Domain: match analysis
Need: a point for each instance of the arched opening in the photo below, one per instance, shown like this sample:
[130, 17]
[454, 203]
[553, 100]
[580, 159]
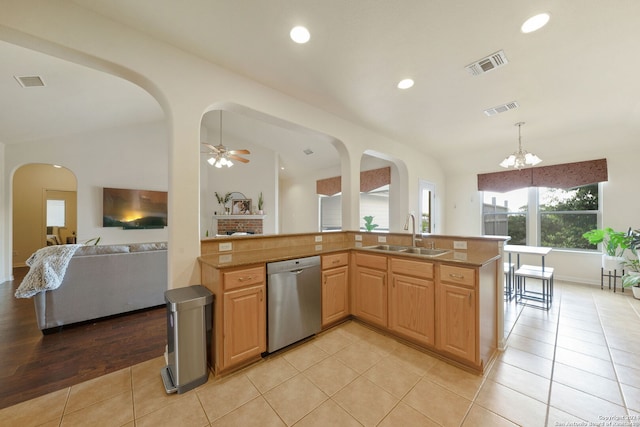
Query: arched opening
[284, 163]
[44, 209]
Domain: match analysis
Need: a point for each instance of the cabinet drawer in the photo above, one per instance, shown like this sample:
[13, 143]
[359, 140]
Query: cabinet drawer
[378, 262]
[412, 268]
[245, 277]
[460, 275]
[335, 260]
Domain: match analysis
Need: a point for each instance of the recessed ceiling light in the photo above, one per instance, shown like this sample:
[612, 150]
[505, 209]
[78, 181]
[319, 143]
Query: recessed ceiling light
[57, 166]
[535, 23]
[300, 34]
[405, 84]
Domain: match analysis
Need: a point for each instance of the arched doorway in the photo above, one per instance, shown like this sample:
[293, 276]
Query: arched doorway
[44, 208]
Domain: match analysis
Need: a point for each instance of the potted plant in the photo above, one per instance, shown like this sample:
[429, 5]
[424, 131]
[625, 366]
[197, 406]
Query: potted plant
[631, 277]
[368, 223]
[614, 244]
[223, 200]
[634, 241]
[260, 203]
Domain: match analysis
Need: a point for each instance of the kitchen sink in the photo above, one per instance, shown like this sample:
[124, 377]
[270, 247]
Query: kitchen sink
[426, 251]
[410, 250]
[391, 248]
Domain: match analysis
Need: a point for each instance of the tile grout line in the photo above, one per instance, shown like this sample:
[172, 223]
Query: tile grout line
[615, 370]
[553, 361]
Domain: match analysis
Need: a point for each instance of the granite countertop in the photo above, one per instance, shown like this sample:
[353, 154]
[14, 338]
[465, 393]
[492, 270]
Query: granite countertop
[242, 258]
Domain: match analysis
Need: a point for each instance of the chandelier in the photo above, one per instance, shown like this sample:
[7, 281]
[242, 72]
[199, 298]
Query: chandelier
[520, 158]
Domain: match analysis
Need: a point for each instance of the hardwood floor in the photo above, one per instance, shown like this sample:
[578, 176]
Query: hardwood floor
[33, 364]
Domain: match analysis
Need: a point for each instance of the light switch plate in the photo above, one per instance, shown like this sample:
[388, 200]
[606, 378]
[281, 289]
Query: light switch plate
[318, 238]
[225, 246]
[382, 239]
[358, 238]
[459, 244]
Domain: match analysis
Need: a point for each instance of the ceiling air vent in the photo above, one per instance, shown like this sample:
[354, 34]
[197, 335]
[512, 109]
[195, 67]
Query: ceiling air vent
[489, 63]
[501, 108]
[29, 81]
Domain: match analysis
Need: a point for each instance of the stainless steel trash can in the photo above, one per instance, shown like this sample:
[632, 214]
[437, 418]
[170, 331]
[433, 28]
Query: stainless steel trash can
[189, 323]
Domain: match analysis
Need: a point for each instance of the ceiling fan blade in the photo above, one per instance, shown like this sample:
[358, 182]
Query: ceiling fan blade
[211, 147]
[239, 152]
[240, 159]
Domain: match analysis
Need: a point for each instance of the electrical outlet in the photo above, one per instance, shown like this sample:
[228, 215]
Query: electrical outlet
[225, 246]
[318, 238]
[358, 237]
[459, 244]
[225, 258]
[318, 247]
[382, 239]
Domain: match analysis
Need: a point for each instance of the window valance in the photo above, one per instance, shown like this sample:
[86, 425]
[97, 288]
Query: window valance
[369, 180]
[567, 175]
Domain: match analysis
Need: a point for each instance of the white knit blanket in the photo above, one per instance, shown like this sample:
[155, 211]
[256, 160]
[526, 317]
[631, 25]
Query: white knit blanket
[48, 266]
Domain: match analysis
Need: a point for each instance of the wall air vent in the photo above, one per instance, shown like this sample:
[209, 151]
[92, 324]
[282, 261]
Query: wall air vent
[501, 108]
[29, 81]
[489, 63]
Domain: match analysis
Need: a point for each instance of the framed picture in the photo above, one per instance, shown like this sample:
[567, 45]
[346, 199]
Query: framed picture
[241, 207]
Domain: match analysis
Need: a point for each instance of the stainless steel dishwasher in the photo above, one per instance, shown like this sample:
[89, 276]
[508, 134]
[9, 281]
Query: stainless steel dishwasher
[294, 301]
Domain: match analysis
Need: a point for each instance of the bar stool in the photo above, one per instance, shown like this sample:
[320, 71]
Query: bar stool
[524, 295]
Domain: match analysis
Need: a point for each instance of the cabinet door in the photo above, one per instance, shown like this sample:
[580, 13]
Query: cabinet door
[411, 308]
[245, 334]
[371, 295]
[457, 313]
[335, 302]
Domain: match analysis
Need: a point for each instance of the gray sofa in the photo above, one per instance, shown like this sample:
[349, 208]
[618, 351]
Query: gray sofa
[103, 281]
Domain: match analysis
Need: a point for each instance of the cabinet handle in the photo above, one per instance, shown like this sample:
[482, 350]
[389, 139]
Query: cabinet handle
[456, 276]
[244, 279]
[260, 295]
[336, 261]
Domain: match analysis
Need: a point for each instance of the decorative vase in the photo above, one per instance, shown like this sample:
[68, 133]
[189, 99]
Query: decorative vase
[636, 291]
[611, 263]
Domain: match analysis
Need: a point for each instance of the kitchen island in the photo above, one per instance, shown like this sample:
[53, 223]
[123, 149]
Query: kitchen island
[449, 305]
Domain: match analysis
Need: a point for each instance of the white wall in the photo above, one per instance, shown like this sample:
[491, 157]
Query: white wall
[299, 205]
[130, 157]
[620, 210]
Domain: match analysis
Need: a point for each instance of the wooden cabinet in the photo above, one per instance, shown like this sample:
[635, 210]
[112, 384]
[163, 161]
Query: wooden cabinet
[335, 288]
[457, 313]
[412, 300]
[244, 325]
[370, 288]
[240, 333]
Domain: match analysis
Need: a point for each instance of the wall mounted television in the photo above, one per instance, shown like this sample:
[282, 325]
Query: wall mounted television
[134, 209]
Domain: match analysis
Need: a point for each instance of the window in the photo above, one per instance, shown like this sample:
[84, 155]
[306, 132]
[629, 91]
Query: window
[565, 215]
[505, 214]
[331, 212]
[553, 217]
[376, 204]
[55, 213]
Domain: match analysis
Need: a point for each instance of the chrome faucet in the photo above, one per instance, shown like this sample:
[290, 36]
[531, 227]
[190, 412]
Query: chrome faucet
[413, 228]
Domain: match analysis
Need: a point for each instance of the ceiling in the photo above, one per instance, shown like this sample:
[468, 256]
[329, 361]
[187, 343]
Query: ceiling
[574, 80]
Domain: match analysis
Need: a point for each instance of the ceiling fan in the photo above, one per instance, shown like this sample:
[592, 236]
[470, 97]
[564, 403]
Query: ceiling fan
[221, 155]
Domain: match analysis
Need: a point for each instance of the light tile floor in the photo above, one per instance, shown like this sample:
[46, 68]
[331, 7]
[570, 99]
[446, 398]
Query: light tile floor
[573, 365]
